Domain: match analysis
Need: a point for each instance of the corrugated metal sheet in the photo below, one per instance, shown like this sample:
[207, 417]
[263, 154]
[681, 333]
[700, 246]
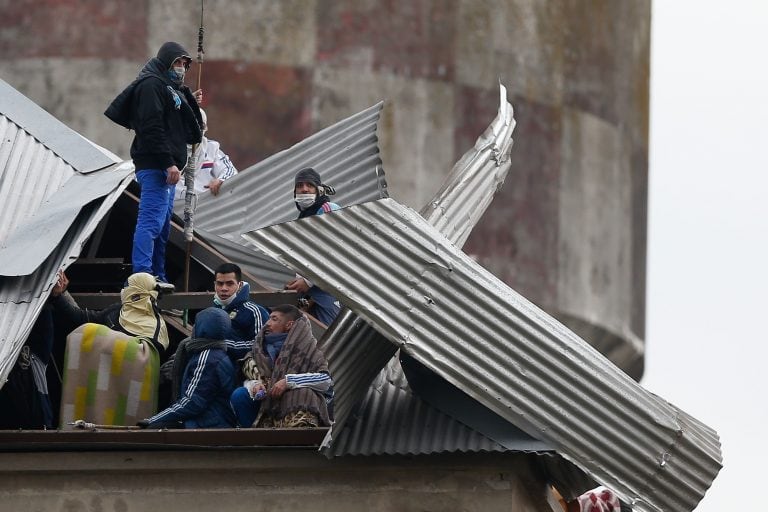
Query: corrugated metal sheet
[396, 409]
[401, 275]
[345, 154]
[78, 152]
[52, 199]
[455, 209]
[475, 178]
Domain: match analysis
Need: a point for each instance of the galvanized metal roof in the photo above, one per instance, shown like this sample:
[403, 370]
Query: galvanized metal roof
[79, 153]
[401, 275]
[53, 198]
[455, 209]
[345, 154]
[396, 410]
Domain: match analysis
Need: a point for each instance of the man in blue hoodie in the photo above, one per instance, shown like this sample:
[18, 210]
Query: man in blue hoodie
[165, 116]
[203, 378]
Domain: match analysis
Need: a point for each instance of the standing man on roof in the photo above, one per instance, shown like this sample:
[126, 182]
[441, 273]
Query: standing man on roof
[165, 116]
[311, 197]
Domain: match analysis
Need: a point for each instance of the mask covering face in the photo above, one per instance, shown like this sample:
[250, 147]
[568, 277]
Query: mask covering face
[305, 200]
[177, 73]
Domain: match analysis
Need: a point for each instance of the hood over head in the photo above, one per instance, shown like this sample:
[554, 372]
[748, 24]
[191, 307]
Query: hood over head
[171, 51]
[212, 323]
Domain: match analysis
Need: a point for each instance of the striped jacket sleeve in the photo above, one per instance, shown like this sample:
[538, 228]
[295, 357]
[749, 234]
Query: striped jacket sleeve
[196, 395]
[318, 381]
[223, 167]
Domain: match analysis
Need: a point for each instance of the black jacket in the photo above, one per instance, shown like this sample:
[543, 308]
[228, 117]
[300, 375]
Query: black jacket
[164, 115]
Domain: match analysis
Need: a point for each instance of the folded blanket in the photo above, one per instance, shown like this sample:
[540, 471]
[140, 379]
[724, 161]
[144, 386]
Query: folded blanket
[110, 378]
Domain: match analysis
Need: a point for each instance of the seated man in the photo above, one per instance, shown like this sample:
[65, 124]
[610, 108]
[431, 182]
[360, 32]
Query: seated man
[233, 296]
[311, 198]
[203, 378]
[289, 384]
[24, 399]
[130, 334]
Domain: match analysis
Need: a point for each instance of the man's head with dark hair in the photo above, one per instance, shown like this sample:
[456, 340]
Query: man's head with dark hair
[227, 268]
[282, 318]
[227, 281]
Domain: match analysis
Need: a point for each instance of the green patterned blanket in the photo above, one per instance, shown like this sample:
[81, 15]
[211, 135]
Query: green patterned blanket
[110, 378]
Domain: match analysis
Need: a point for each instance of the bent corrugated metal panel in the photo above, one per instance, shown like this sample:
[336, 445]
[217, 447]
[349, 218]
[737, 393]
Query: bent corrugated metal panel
[345, 154]
[454, 210]
[77, 151]
[52, 199]
[474, 180]
[401, 275]
[391, 411]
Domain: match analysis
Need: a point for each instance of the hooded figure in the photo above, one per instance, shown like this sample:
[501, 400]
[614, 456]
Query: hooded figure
[140, 101]
[203, 378]
[139, 314]
[165, 116]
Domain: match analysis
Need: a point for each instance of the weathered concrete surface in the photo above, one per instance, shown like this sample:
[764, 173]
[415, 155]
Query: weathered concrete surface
[276, 480]
[568, 230]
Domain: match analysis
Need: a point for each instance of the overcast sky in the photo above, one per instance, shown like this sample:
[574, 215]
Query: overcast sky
[708, 220]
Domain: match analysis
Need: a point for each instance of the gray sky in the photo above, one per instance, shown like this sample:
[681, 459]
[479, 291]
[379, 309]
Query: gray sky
[708, 221]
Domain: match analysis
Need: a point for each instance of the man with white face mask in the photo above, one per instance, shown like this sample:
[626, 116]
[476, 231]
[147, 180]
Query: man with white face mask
[233, 296]
[311, 197]
[165, 116]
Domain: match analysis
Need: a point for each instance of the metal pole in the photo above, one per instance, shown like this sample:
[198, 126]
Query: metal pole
[189, 178]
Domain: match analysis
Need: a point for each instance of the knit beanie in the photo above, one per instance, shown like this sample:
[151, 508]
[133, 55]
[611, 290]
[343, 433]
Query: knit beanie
[307, 175]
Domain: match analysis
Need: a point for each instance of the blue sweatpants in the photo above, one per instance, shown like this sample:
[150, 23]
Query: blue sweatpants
[153, 225]
[246, 409]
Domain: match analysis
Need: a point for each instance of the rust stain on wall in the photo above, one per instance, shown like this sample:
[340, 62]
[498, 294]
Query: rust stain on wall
[256, 110]
[87, 28]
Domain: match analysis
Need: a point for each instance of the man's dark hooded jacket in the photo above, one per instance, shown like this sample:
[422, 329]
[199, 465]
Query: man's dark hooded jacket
[164, 114]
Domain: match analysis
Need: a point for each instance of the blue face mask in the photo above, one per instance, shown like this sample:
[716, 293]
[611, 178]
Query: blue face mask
[176, 74]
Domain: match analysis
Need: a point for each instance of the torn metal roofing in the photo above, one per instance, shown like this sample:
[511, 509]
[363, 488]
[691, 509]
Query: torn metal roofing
[55, 186]
[455, 209]
[402, 276]
[345, 154]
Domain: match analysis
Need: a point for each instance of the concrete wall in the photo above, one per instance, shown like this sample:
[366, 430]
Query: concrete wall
[262, 480]
[568, 230]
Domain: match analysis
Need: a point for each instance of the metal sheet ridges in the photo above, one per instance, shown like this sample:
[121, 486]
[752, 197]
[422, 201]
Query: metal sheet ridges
[455, 209]
[402, 276]
[345, 154]
[38, 157]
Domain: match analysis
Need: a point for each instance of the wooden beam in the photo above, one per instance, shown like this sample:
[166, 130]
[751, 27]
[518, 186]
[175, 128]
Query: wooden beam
[185, 300]
[177, 324]
[33, 440]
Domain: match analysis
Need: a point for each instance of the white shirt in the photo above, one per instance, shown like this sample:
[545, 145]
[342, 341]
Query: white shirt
[211, 163]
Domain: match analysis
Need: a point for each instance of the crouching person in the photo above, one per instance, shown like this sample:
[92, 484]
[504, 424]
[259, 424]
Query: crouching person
[203, 378]
[289, 384]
